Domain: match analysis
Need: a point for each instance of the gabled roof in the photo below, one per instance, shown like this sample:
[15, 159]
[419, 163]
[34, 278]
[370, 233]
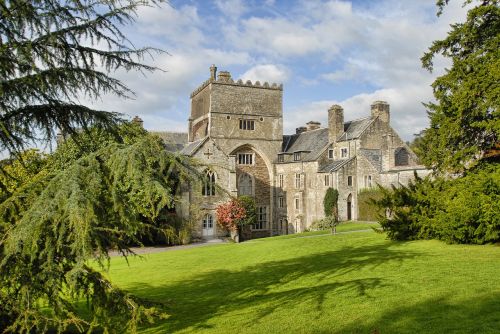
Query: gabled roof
[192, 147]
[174, 141]
[334, 165]
[310, 142]
[354, 129]
[374, 156]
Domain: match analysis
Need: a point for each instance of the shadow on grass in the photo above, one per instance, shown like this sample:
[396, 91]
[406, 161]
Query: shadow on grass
[480, 314]
[259, 290]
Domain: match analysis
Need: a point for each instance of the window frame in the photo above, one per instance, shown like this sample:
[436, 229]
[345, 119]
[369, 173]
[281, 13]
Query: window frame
[246, 156]
[281, 180]
[247, 124]
[209, 184]
[261, 223]
[251, 186]
[327, 180]
[344, 152]
[298, 180]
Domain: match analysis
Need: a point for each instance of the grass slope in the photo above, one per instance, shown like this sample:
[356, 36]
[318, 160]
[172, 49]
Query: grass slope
[345, 283]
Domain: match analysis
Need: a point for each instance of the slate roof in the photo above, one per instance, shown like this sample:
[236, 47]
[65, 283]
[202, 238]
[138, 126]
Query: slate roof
[334, 165]
[174, 141]
[374, 156]
[354, 129]
[191, 148]
[310, 142]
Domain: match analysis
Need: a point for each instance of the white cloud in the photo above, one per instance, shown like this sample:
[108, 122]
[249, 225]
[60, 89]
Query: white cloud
[270, 73]
[312, 45]
[407, 115]
[232, 9]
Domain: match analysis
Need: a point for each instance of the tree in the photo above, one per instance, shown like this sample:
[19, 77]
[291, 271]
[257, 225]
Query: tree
[330, 207]
[236, 214]
[463, 139]
[53, 226]
[53, 53]
[465, 120]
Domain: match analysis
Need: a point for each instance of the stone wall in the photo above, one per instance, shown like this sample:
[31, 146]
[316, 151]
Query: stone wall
[200, 103]
[231, 103]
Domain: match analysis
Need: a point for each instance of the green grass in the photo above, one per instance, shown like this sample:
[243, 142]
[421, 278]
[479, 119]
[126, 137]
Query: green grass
[345, 283]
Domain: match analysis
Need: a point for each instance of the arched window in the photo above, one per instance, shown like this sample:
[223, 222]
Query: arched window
[245, 185]
[401, 157]
[208, 188]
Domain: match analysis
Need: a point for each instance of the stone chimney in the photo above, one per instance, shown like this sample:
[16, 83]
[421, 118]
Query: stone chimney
[335, 122]
[300, 129]
[380, 109]
[224, 76]
[213, 72]
[138, 120]
[313, 125]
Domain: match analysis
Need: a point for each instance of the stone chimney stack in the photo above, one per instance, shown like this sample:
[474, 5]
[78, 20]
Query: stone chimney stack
[335, 122]
[138, 120]
[380, 109]
[224, 76]
[313, 125]
[213, 72]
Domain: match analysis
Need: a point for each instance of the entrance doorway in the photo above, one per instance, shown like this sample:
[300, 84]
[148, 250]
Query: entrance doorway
[208, 226]
[349, 207]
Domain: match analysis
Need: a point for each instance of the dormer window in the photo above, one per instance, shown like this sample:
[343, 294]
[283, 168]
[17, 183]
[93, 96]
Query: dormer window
[281, 158]
[247, 124]
[296, 156]
[343, 152]
[330, 154]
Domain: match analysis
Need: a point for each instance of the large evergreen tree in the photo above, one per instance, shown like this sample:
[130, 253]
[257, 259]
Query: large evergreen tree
[462, 140]
[465, 120]
[53, 52]
[87, 199]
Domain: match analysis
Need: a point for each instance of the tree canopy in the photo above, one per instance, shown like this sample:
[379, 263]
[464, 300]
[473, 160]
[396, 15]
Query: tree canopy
[461, 203]
[58, 221]
[61, 214]
[465, 120]
[53, 53]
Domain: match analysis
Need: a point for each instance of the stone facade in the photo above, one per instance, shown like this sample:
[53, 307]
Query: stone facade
[235, 130]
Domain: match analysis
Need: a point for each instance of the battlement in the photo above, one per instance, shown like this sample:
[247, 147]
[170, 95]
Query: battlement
[224, 78]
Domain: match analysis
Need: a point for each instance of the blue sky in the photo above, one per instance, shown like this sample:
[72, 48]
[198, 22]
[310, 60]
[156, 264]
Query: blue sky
[324, 52]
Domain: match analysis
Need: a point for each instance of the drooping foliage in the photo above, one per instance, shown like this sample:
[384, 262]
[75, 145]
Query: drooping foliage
[53, 53]
[55, 225]
[465, 120]
[20, 170]
[461, 210]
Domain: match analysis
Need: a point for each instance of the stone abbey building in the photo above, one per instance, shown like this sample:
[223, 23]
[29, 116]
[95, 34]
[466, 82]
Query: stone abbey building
[236, 129]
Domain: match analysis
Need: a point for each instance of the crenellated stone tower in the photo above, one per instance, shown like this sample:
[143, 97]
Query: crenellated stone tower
[237, 128]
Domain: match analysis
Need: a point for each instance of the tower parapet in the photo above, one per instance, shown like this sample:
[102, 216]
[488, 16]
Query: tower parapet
[224, 78]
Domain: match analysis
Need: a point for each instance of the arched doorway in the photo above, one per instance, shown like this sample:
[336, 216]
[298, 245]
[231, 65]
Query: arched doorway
[208, 226]
[349, 207]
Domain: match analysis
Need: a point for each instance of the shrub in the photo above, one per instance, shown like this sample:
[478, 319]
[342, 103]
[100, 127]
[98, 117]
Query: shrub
[367, 210]
[462, 210]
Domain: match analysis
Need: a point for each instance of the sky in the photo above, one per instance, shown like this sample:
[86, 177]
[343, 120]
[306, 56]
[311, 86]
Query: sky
[350, 53]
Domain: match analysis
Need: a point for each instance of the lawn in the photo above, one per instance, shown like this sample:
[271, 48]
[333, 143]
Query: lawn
[345, 283]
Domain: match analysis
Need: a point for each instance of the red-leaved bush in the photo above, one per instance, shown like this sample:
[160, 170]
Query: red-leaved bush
[231, 214]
